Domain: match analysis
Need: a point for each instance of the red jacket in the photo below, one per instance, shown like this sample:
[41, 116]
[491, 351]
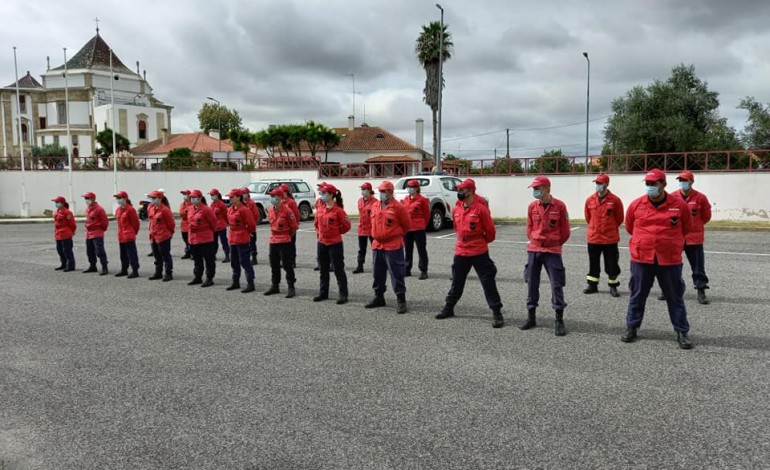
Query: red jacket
[547, 227]
[203, 224]
[128, 223]
[657, 232]
[220, 214]
[604, 218]
[242, 225]
[700, 210]
[389, 224]
[184, 226]
[292, 205]
[64, 224]
[252, 206]
[419, 211]
[161, 222]
[283, 224]
[331, 223]
[96, 221]
[365, 216]
[474, 227]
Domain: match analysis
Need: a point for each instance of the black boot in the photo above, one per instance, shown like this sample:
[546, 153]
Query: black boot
[186, 256]
[320, 297]
[196, 280]
[591, 289]
[377, 301]
[226, 260]
[121, 273]
[208, 282]
[629, 336]
[91, 269]
[530, 323]
[423, 275]
[158, 275]
[683, 340]
[661, 296]
[104, 271]
[359, 269]
[447, 312]
[61, 268]
[249, 287]
[498, 316]
[614, 291]
[401, 303]
[291, 292]
[342, 299]
[559, 329]
[234, 286]
[702, 297]
[273, 290]
[134, 274]
[254, 261]
[168, 277]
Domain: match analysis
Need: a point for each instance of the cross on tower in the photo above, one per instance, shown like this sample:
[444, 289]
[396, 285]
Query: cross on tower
[97, 24]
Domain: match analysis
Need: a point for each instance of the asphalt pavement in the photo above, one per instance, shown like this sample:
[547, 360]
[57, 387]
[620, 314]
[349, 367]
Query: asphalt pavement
[98, 372]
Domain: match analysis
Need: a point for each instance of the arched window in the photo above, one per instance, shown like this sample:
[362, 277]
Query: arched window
[142, 130]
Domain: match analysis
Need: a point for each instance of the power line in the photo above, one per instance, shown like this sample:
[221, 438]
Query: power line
[525, 129]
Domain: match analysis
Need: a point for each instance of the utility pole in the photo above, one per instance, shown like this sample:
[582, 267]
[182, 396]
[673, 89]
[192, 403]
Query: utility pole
[508, 143]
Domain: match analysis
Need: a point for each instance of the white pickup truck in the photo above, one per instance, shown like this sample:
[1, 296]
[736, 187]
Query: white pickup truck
[440, 190]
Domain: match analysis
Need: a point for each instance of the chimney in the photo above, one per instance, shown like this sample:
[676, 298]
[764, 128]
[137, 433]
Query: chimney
[137, 67]
[351, 122]
[48, 62]
[164, 136]
[145, 75]
[419, 133]
[214, 134]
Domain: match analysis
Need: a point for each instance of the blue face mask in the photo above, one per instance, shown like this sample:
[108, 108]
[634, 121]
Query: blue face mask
[273, 200]
[600, 188]
[58, 205]
[537, 194]
[154, 200]
[214, 197]
[364, 192]
[412, 190]
[653, 191]
[685, 185]
[121, 202]
[324, 197]
[194, 200]
[383, 197]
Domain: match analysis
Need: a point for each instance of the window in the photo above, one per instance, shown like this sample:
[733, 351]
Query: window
[42, 123]
[61, 112]
[24, 133]
[142, 130]
[74, 139]
[303, 188]
[450, 184]
[56, 140]
[22, 104]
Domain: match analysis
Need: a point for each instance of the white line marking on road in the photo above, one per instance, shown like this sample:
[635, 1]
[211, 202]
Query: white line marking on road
[574, 228]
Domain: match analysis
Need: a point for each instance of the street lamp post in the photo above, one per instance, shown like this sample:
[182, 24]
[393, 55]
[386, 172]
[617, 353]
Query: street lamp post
[588, 102]
[440, 86]
[113, 77]
[219, 119]
[69, 136]
[24, 203]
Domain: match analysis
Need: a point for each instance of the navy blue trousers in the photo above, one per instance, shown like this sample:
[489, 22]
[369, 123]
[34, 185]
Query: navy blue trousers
[384, 262]
[697, 259]
[162, 253]
[281, 254]
[671, 283]
[334, 255]
[486, 270]
[186, 240]
[204, 254]
[253, 244]
[416, 237]
[94, 250]
[129, 256]
[239, 258]
[363, 245]
[554, 267]
[66, 256]
[220, 237]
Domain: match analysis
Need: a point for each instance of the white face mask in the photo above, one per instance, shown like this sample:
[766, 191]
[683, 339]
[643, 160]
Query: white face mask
[89, 202]
[186, 197]
[121, 202]
[600, 188]
[214, 197]
[383, 197]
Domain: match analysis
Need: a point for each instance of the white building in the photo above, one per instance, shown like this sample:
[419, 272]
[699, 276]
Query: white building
[46, 107]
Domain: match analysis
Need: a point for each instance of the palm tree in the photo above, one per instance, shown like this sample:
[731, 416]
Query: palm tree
[427, 50]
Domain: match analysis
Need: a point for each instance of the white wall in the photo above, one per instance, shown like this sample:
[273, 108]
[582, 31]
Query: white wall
[734, 196]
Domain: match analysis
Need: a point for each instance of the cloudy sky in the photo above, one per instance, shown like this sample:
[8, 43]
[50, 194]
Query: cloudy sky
[516, 64]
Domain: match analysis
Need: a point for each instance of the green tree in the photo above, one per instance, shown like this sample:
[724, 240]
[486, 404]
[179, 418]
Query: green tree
[210, 115]
[104, 139]
[428, 52]
[552, 161]
[179, 158]
[756, 133]
[50, 155]
[508, 165]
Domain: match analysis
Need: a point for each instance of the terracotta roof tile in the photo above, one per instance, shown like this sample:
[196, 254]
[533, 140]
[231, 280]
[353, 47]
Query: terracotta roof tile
[370, 138]
[198, 142]
[391, 159]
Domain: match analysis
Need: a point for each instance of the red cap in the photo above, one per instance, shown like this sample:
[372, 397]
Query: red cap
[319, 184]
[468, 184]
[121, 194]
[366, 185]
[285, 188]
[329, 188]
[89, 195]
[686, 175]
[235, 192]
[602, 178]
[385, 186]
[540, 181]
[185, 191]
[59, 199]
[655, 175]
[215, 191]
[196, 193]
[155, 194]
[277, 192]
[413, 184]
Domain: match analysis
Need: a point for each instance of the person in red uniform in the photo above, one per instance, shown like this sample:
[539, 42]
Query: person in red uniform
[288, 200]
[96, 224]
[203, 225]
[252, 206]
[161, 230]
[283, 227]
[220, 234]
[547, 230]
[475, 231]
[604, 214]
[242, 223]
[331, 222]
[318, 205]
[658, 224]
[419, 213]
[184, 226]
[365, 204]
[700, 210]
[64, 229]
[128, 228]
[390, 221]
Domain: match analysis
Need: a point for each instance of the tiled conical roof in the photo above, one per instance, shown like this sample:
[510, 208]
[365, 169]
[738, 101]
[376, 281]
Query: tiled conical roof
[96, 55]
[27, 81]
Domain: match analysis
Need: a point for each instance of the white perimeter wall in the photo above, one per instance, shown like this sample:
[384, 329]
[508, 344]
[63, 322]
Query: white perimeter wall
[734, 196]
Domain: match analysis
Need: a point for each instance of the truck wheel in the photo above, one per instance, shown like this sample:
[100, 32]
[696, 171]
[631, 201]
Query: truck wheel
[262, 215]
[305, 212]
[436, 219]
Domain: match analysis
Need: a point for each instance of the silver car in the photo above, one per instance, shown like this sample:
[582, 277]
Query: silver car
[440, 190]
[302, 192]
